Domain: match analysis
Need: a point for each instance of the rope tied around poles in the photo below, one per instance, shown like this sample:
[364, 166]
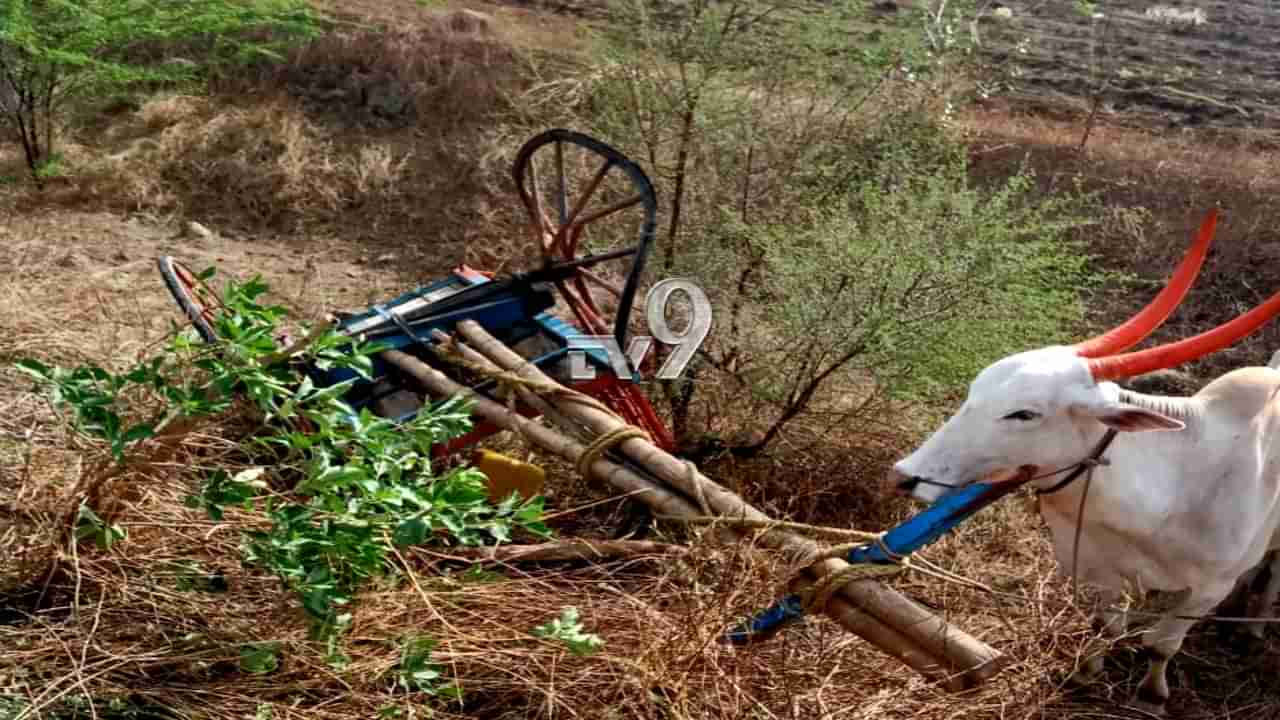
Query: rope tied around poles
[510, 381]
[606, 442]
[816, 597]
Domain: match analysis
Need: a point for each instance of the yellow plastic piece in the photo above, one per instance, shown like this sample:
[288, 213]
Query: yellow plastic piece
[507, 474]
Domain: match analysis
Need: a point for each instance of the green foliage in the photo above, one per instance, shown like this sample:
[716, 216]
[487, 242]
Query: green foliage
[79, 706]
[417, 673]
[12, 706]
[342, 490]
[56, 52]
[918, 285]
[52, 166]
[90, 392]
[89, 525]
[568, 630]
[260, 658]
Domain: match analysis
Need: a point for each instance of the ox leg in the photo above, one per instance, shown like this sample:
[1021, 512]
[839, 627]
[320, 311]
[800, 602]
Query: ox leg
[1263, 604]
[1164, 640]
[1238, 603]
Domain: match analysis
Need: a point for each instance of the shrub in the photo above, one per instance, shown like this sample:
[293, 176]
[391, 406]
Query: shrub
[340, 490]
[56, 52]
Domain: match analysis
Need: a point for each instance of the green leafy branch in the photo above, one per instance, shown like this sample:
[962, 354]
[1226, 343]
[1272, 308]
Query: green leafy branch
[568, 630]
[342, 489]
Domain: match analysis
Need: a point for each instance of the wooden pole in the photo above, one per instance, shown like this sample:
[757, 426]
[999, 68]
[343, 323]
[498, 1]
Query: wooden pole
[662, 500]
[941, 639]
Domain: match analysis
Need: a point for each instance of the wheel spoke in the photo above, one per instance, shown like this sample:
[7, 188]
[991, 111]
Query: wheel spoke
[546, 236]
[616, 207]
[587, 315]
[611, 287]
[584, 293]
[575, 236]
[562, 190]
[586, 194]
[537, 217]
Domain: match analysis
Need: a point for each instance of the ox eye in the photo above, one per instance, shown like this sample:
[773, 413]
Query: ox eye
[1021, 415]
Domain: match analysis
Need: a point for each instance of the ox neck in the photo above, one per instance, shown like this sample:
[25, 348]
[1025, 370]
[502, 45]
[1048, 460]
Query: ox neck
[1178, 408]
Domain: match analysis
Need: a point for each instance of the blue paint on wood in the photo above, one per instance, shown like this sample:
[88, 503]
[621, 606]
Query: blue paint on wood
[920, 530]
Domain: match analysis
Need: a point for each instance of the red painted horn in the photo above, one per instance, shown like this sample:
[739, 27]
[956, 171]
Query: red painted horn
[1182, 351]
[1137, 328]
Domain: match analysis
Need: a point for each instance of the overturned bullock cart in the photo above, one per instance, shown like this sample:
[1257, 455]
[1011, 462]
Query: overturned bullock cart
[511, 346]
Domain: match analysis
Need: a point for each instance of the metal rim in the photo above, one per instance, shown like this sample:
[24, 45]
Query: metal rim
[560, 237]
[186, 289]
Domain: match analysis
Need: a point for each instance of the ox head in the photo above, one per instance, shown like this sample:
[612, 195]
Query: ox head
[1043, 410]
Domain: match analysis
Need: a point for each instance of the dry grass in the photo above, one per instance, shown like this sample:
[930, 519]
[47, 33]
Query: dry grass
[117, 625]
[267, 165]
[372, 135]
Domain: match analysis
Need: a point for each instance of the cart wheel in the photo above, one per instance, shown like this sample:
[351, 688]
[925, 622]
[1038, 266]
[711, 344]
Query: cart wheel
[585, 197]
[192, 294]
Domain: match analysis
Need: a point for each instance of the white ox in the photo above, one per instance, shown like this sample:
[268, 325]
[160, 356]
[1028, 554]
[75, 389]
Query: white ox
[1188, 495]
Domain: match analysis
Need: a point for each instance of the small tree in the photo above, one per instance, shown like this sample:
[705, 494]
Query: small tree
[54, 52]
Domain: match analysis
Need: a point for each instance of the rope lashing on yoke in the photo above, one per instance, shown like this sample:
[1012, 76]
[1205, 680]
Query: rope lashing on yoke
[606, 442]
[816, 597]
[509, 381]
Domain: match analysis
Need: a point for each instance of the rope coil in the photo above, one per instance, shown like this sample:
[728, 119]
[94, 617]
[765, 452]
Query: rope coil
[816, 597]
[605, 443]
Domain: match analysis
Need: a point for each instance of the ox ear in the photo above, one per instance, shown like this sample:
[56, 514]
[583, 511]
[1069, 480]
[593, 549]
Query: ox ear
[1132, 418]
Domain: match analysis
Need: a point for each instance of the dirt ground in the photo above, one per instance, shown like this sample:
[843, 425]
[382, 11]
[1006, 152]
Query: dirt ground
[80, 284]
[1218, 74]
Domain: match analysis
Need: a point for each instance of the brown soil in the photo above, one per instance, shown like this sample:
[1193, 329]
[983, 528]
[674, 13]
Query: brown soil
[1220, 74]
[79, 284]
